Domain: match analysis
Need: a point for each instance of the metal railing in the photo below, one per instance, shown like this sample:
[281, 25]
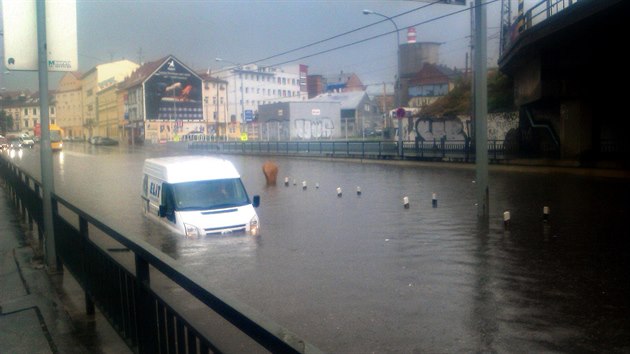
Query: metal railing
[536, 15]
[133, 284]
[459, 150]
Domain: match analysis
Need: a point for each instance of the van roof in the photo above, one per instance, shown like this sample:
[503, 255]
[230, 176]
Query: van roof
[177, 169]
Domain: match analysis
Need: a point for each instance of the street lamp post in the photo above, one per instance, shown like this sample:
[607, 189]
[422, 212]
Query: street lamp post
[397, 81]
[240, 74]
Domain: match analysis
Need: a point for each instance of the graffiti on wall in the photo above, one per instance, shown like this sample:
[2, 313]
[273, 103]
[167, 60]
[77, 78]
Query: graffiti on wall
[430, 129]
[500, 123]
[317, 128]
[457, 128]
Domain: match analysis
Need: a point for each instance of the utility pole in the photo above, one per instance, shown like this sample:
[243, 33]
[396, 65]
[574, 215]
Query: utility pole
[46, 149]
[481, 109]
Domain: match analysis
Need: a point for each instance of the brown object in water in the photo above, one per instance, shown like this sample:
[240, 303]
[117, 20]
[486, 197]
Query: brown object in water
[270, 170]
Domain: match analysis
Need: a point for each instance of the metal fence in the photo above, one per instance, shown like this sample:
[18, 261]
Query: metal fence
[456, 150]
[537, 14]
[132, 285]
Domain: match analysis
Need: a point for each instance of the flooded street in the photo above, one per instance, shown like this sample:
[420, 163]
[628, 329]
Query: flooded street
[360, 273]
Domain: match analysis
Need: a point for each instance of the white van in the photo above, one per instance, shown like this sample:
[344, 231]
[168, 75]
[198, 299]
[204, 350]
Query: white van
[197, 196]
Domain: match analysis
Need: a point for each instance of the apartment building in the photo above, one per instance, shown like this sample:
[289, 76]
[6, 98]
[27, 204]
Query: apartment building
[215, 107]
[164, 100]
[69, 105]
[24, 108]
[99, 78]
[252, 85]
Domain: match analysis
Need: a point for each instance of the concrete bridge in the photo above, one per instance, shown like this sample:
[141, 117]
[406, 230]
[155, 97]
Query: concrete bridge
[566, 59]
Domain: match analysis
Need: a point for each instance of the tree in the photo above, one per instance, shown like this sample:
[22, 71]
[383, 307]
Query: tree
[458, 101]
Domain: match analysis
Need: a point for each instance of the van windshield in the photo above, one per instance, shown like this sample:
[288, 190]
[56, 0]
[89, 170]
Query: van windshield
[206, 195]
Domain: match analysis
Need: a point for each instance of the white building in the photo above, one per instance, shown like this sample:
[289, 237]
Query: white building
[250, 86]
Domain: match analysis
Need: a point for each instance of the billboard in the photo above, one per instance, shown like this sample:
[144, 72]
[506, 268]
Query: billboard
[173, 93]
[20, 35]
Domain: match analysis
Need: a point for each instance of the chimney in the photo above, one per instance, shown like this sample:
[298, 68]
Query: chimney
[411, 35]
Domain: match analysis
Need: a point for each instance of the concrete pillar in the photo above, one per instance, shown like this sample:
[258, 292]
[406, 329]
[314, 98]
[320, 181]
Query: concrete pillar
[576, 129]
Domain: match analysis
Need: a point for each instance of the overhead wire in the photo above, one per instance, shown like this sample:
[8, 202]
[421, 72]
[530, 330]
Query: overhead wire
[365, 39]
[334, 37]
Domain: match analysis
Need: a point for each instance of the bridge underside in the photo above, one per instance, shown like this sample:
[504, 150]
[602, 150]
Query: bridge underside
[567, 75]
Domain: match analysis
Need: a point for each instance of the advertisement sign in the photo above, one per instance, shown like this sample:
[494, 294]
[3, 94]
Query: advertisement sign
[20, 35]
[173, 93]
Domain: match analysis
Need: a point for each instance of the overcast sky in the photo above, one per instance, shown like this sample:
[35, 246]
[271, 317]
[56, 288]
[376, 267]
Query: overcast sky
[197, 32]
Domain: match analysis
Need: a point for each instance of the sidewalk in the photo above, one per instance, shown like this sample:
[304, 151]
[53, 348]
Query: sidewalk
[40, 311]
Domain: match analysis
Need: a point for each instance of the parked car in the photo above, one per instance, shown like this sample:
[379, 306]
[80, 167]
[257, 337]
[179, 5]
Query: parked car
[4, 143]
[27, 141]
[103, 140]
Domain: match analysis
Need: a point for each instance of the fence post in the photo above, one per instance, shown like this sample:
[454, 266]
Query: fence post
[146, 320]
[83, 231]
[55, 217]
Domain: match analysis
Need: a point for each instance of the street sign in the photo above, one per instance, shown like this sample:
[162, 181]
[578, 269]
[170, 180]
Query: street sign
[20, 35]
[249, 115]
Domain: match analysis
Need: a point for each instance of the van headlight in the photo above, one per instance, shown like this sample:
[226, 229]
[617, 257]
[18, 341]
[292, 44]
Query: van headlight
[192, 231]
[254, 226]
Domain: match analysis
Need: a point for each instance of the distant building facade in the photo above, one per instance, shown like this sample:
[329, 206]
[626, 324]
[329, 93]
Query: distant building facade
[344, 82]
[164, 100]
[215, 108]
[251, 86]
[358, 113]
[99, 78]
[430, 83]
[301, 120]
[24, 109]
[69, 104]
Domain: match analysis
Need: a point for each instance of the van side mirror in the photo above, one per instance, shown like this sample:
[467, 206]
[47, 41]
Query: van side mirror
[256, 202]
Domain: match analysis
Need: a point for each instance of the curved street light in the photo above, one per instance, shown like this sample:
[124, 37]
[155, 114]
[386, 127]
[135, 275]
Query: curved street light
[397, 81]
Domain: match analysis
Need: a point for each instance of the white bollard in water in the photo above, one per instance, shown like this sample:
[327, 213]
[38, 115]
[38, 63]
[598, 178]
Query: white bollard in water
[304, 185]
[406, 202]
[545, 213]
[286, 181]
[339, 191]
[358, 190]
[506, 218]
[434, 200]
[316, 185]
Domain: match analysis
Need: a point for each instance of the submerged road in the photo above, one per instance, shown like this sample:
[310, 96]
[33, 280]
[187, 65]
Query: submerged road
[359, 273]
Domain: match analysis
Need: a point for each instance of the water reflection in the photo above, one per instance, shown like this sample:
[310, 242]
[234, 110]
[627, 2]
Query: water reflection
[16, 154]
[361, 273]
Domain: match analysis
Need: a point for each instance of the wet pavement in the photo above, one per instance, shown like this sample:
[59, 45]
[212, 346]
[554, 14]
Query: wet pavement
[37, 313]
